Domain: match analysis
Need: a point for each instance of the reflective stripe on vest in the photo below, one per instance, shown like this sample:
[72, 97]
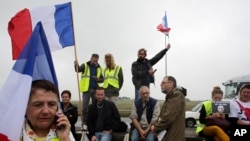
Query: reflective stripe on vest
[85, 78]
[208, 109]
[111, 77]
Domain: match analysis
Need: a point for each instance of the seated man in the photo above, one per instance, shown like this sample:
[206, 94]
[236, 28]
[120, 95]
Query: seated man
[145, 112]
[102, 114]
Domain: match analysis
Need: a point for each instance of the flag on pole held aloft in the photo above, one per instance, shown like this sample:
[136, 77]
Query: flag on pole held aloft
[35, 62]
[163, 27]
[57, 23]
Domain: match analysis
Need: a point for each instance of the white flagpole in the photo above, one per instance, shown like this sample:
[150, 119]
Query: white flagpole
[166, 46]
[166, 53]
[166, 57]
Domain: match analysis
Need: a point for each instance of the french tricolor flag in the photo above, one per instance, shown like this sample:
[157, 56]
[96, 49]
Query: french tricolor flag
[163, 27]
[34, 62]
[57, 23]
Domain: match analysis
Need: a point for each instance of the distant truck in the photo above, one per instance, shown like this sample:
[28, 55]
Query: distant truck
[232, 86]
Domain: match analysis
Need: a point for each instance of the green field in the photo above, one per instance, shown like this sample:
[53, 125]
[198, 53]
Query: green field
[125, 106]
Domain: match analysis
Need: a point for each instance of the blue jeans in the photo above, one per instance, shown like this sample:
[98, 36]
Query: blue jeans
[103, 136]
[137, 94]
[135, 136]
[85, 103]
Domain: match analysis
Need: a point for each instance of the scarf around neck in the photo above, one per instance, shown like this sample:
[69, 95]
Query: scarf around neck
[29, 135]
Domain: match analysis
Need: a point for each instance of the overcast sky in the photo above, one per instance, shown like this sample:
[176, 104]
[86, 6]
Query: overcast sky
[210, 40]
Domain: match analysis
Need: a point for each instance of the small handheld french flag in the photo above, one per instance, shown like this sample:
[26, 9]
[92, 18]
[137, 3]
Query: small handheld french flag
[163, 27]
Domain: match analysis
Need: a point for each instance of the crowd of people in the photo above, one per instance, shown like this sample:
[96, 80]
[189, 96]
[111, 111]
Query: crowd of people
[103, 86]
[48, 119]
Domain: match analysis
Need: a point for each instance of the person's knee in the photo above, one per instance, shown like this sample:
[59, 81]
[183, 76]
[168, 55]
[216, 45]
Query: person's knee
[217, 132]
[134, 138]
[217, 129]
[134, 135]
[150, 137]
[106, 137]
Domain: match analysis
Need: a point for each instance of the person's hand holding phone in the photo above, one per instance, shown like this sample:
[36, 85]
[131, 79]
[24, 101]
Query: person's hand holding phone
[62, 127]
[94, 138]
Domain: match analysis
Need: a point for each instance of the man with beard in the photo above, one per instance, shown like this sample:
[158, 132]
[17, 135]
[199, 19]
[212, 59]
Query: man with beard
[172, 116]
[102, 114]
[142, 69]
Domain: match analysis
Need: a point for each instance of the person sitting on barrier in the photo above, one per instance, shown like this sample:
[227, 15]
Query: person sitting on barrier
[145, 111]
[240, 111]
[102, 114]
[212, 132]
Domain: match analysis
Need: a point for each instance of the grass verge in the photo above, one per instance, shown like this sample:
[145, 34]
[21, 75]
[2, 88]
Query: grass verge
[125, 105]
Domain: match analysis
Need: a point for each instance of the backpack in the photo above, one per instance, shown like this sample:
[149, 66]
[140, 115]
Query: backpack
[119, 126]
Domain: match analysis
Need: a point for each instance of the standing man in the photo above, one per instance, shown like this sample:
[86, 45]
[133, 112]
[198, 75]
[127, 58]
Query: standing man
[69, 110]
[145, 112]
[142, 69]
[91, 76]
[113, 78]
[172, 116]
[101, 116]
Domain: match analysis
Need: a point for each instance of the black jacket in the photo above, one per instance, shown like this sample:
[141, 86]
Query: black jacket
[111, 115]
[72, 115]
[140, 68]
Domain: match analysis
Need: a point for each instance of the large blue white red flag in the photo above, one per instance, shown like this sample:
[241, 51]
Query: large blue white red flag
[57, 23]
[35, 62]
[163, 27]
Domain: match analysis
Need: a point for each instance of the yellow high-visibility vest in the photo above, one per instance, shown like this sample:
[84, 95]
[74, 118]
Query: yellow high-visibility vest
[85, 78]
[111, 77]
[52, 139]
[208, 109]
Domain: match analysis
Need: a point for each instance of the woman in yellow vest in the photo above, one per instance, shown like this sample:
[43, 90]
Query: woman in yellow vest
[113, 78]
[214, 132]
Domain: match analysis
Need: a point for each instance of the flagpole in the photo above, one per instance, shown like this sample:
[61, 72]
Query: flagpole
[166, 56]
[166, 53]
[165, 47]
[77, 76]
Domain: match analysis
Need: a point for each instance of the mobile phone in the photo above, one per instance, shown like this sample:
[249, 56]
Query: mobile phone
[155, 70]
[59, 110]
